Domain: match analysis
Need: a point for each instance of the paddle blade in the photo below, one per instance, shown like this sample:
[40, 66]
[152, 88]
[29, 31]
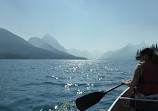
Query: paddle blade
[89, 100]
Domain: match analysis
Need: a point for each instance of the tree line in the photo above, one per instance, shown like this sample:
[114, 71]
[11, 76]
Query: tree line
[153, 46]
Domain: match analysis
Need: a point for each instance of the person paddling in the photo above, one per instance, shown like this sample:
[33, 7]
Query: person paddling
[145, 78]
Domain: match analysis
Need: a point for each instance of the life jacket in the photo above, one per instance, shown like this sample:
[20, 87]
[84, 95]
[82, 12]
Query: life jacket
[148, 83]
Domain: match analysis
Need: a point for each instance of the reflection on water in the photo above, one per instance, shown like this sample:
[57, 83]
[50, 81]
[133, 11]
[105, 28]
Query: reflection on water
[45, 85]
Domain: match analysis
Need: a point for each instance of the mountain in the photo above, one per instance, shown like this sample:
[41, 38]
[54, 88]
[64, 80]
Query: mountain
[126, 53]
[53, 42]
[85, 53]
[40, 43]
[37, 42]
[14, 47]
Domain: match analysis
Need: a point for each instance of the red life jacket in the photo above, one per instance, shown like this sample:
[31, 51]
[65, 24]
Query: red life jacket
[149, 80]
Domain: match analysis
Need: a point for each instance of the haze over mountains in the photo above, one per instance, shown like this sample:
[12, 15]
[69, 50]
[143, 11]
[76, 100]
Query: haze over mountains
[48, 43]
[85, 53]
[126, 53]
[14, 47]
[53, 42]
[47, 47]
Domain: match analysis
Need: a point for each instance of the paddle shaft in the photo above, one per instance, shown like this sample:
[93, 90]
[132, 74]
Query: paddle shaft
[112, 88]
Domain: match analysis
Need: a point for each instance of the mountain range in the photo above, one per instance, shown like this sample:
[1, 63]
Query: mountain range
[15, 47]
[41, 43]
[126, 53]
[47, 47]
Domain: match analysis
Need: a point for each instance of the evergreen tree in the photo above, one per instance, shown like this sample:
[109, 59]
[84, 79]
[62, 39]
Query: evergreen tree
[137, 52]
[153, 46]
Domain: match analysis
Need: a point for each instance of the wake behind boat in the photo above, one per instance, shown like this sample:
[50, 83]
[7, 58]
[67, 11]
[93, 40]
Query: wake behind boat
[122, 103]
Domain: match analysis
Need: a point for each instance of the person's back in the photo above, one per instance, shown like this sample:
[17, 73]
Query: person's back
[145, 79]
[148, 83]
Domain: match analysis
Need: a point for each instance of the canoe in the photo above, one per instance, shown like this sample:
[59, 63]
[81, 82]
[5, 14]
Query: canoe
[122, 103]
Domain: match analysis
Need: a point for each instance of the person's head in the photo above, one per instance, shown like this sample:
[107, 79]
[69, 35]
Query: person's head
[145, 55]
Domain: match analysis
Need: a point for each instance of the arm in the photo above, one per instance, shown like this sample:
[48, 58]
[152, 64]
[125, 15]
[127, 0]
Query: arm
[135, 78]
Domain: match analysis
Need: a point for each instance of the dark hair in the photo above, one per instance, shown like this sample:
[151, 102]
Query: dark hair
[155, 58]
[147, 51]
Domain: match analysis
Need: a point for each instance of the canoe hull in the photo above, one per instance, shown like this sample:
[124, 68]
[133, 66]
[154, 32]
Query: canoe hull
[122, 103]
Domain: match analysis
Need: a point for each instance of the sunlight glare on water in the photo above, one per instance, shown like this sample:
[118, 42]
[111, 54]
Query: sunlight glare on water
[43, 85]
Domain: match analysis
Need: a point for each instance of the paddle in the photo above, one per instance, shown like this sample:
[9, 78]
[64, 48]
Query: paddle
[91, 99]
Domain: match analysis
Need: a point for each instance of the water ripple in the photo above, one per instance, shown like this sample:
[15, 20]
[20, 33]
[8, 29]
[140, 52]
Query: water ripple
[54, 85]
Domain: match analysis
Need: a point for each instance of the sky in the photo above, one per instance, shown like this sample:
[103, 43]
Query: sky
[93, 25]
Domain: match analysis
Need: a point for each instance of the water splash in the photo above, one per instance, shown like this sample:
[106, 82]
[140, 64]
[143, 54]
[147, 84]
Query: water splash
[67, 106]
[79, 91]
[68, 85]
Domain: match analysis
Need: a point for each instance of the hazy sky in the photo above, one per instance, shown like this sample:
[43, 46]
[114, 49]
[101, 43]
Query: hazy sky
[83, 24]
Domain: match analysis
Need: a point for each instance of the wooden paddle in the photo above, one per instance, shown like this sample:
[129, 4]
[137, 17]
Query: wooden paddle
[91, 99]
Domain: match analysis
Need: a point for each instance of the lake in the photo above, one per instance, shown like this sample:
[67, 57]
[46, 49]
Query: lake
[54, 85]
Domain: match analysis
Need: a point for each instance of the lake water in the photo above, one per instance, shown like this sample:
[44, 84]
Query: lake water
[54, 85]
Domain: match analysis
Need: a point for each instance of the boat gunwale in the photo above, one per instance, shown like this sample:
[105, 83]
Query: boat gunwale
[122, 97]
[137, 99]
[118, 98]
